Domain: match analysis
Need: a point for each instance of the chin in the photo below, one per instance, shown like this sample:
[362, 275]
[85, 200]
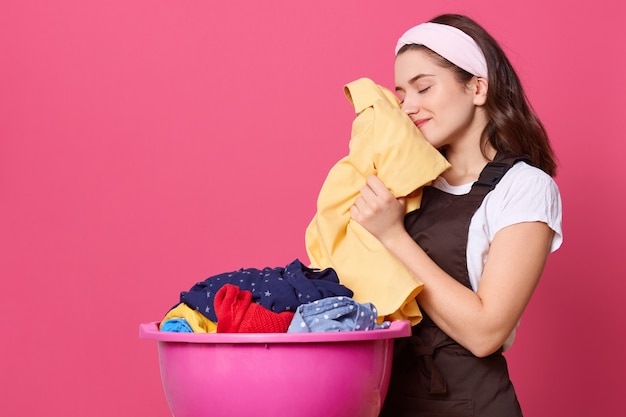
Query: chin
[435, 143]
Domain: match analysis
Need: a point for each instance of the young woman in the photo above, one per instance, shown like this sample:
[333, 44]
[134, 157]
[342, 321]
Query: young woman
[480, 240]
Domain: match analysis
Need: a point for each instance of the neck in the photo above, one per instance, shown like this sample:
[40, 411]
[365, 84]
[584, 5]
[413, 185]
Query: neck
[467, 164]
[466, 154]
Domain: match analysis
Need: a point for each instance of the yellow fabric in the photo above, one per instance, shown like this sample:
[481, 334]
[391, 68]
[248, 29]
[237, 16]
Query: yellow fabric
[385, 143]
[198, 322]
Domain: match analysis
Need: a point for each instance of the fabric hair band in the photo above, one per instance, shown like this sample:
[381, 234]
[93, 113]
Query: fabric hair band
[451, 43]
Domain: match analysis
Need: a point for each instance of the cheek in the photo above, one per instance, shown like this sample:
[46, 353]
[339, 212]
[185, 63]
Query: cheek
[457, 111]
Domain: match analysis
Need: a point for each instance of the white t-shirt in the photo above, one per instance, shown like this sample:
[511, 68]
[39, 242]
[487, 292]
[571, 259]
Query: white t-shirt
[525, 194]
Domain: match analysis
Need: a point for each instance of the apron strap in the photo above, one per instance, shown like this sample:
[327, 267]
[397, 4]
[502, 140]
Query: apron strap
[493, 172]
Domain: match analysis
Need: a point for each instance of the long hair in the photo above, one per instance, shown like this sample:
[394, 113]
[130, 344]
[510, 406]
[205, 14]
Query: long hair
[513, 128]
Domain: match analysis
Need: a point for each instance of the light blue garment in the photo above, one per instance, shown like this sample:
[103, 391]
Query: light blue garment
[335, 314]
[178, 325]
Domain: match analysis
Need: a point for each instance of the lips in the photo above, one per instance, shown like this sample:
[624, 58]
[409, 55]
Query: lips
[420, 122]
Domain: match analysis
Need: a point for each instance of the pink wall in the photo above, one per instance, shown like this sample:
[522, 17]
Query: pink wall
[145, 145]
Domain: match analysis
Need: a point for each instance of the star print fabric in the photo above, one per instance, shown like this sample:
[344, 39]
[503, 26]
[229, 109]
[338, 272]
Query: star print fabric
[278, 289]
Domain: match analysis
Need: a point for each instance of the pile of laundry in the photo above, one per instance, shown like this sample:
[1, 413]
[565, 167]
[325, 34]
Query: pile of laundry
[294, 298]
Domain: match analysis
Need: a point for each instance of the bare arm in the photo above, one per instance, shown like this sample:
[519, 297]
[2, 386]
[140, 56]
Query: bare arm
[480, 321]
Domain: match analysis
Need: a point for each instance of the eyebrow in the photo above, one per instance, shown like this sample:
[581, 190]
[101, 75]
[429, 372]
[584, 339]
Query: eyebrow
[415, 79]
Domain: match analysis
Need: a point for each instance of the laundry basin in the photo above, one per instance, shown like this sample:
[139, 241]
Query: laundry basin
[324, 374]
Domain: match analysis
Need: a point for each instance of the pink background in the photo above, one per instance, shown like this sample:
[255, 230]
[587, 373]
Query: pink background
[145, 145]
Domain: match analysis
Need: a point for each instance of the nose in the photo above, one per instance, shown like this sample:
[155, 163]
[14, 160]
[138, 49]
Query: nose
[410, 105]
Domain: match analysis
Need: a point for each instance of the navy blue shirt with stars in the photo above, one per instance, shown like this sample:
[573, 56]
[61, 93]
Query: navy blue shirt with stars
[277, 289]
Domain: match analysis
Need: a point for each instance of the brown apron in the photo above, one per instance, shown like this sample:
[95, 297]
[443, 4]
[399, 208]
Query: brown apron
[432, 375]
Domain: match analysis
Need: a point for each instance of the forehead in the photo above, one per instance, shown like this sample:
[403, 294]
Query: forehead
[414, 62]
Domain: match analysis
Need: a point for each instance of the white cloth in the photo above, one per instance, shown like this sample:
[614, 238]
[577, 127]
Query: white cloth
[525, 194]
[451, 43]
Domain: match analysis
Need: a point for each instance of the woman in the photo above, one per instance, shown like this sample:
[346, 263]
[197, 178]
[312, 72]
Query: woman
[480, 240]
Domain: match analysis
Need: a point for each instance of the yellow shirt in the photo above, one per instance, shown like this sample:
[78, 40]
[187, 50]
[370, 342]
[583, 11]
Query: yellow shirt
[385, 143]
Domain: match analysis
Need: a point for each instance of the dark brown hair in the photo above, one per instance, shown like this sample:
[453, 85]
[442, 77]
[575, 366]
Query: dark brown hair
[513, 128]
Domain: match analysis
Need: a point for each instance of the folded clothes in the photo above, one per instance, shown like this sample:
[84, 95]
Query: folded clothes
[236, 313]
[277, 289]
[335, 314]
[176, 325]
[194, 319]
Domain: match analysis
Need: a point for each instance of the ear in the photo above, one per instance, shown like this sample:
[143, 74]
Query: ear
[480, 87]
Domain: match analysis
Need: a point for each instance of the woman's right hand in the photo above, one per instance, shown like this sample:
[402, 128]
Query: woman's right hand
[378, 211]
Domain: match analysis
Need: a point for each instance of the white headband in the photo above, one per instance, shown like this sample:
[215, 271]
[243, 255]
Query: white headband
[451, 43]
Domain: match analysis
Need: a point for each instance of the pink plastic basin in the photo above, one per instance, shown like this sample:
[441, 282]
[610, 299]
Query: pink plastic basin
[344, 374]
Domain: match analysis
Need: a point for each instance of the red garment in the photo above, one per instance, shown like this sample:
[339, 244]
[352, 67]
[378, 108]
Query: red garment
[236, 313]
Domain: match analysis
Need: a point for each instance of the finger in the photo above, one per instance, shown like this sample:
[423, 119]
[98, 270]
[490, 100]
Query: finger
[358, 202]
[354, 212]
[367, 194]
[377, 186]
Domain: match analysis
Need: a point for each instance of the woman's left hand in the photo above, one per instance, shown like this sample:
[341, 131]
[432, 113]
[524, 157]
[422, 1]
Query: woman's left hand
[378, 211]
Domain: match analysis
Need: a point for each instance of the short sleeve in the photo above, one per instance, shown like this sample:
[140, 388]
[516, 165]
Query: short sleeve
[528, 195]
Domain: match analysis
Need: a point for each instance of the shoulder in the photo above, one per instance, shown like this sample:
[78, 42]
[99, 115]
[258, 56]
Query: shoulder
[525, 194]
[523, 181]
